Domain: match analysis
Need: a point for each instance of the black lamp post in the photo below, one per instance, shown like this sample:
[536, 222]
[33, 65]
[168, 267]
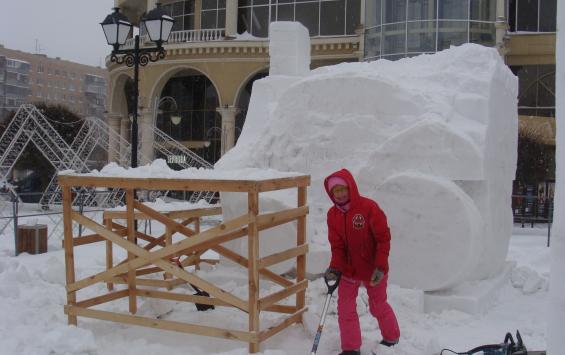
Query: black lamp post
[117, 29]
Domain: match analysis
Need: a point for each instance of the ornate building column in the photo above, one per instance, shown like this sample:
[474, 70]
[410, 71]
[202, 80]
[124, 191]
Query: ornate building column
[113, 143]
[501, 26]
[124, 132]
[231, 19]
[147, 136]
[228, 126]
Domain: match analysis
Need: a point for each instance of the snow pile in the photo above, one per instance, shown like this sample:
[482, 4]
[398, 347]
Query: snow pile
[289, 48]
[169, 206]
[431, 138]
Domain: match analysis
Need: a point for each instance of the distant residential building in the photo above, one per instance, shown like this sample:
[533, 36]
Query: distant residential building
[29, 78]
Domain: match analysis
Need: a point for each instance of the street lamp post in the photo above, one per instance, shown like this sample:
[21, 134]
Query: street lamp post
[117, 29]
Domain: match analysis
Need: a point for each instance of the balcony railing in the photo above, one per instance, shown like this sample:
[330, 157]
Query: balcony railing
[214, 34]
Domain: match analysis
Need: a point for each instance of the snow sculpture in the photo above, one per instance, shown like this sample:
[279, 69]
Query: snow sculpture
[431, 138]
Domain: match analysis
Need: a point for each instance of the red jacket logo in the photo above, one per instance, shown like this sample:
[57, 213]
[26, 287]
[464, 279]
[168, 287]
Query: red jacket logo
[358, 221]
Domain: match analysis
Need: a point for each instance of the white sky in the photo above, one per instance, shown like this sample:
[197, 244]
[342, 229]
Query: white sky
[69, 29]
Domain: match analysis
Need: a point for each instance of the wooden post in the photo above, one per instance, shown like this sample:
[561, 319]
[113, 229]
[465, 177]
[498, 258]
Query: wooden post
[109, 253]
[131, 238]
[253, 257]
[168, 241]
[69, 252]
[301, 259]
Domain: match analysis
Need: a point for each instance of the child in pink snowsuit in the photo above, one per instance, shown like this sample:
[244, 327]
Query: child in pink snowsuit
[360, 242]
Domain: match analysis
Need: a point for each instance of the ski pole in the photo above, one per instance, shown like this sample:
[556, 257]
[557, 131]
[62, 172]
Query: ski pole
[332, 285]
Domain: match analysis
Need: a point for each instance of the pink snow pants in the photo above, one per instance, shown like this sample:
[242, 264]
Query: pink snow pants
[348, 318]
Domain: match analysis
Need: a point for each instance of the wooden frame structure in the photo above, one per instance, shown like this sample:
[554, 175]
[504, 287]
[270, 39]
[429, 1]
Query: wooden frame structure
[156, 256]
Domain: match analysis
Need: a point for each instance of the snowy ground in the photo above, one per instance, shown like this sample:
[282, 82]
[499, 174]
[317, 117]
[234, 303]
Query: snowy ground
[32, 296]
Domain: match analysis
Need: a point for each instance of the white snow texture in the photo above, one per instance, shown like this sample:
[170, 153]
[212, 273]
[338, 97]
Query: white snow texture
[432, 139]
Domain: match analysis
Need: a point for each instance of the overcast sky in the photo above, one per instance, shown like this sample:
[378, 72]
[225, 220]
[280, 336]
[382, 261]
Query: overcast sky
[69, 29]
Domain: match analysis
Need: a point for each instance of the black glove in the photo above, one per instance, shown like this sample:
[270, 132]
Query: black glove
[331, 274]
[376, 277]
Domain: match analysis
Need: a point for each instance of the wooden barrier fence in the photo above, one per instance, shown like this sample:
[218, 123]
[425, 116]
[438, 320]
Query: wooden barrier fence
[162, 255]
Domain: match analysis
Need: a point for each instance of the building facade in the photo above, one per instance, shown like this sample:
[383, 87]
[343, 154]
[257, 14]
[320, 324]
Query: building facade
[29, 78]
[200, 92]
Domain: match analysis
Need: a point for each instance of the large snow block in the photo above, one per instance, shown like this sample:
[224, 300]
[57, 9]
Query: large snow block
[289, 49]
[443, 125]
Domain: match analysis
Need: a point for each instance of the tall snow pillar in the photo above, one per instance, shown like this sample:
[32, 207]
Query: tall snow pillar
[113, 144]
[556, 311]
[228, 127]
[289, 49]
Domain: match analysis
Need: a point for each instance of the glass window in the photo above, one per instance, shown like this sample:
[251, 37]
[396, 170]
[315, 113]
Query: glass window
[285, 12]
[394, 11]
[260, 21]
[308, 15]
[394, 38]
[353, 16]
[244, 20]
[451, 33]
[527, 19]
[333, 15]
[454, 9]
[483, 10]
[422, 9]
[209, 4]
[187, 22]
[548, 15]
[421, 36]
[482, 33]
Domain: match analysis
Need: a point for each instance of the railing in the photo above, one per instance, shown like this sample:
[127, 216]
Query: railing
[528, 209]
[212, 34]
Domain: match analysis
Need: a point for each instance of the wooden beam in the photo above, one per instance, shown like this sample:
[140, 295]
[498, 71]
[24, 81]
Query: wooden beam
[161, 324]
[282, 256]
[208, 235]
[182, 297]
[130, 200]
[282, 294]
[109, 253]
[253, 270]
[280, 308]
[171, 223]
[159, 183]
[142, 282]
[69, 252]
[270, 220]
[295, 318]
[283, 183]
[103, 299]
[301, 240]
[243, 262]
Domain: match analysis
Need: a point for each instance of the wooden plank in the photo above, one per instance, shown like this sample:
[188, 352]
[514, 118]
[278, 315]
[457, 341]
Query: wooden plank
[148, 238]
[283, 183]
[168, 241]
[109, 253]
[301, 240]
[208, 235]
[171, 223]
[282, 256]
[130, 200]
[295, 318]
[253, 270]
[159, 183]
[163, 236]
[182, 297]
[161, 324]
[69, 252]
[87, 239]
[103, 299]
[281, 308]
[243, 262]
[282, 294]
[142, 282]
[270, 220]
[198, 212]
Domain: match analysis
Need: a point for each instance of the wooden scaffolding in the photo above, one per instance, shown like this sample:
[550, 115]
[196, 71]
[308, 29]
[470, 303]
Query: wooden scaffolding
[158, 253]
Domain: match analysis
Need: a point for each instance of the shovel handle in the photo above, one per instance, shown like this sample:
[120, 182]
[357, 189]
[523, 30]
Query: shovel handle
[332, 284]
